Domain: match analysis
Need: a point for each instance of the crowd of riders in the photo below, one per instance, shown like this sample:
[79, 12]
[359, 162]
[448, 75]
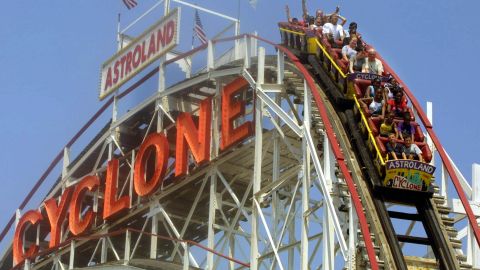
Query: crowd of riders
[384, 99]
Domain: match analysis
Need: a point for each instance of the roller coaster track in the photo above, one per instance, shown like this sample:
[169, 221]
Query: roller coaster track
[304, 77]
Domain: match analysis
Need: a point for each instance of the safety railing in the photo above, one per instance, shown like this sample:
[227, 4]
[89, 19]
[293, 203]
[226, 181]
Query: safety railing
[371, 138]
[70, 245]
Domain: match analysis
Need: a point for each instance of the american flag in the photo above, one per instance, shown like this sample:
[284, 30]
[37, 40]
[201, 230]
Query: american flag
[130, 3]
[198, 29]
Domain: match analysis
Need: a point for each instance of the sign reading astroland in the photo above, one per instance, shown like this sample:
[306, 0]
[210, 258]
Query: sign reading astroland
[408, 174]
[155, 42]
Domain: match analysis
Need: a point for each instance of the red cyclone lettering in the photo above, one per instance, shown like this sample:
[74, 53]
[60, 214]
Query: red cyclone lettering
[56, 215]
[77, 224]
[111, 205]
[230, 111]
[159, 143]
[33, 217]
[197, 139]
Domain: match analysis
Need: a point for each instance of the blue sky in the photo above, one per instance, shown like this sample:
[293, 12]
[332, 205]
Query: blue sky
[51, 53]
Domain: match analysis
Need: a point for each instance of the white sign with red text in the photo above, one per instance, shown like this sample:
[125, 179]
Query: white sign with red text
[141, 52]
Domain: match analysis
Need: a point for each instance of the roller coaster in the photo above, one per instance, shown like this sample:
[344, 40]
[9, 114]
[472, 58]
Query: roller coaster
[253, 161]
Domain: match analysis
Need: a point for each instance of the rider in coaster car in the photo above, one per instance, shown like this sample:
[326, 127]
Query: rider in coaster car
[388, 126]
[351, 34]
[373, 65]
[334, 31]
[398, 105]
[395, 150]
[376, 84]
[406, 128]
[412, 151]
[376, 106]
[358, 61]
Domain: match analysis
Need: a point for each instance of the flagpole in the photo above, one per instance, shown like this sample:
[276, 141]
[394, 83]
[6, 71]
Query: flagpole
[119, 40]
[193, 29]
[238, 11]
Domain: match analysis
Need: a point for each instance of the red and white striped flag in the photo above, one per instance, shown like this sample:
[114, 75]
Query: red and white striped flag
[130, 3]
[198, 29]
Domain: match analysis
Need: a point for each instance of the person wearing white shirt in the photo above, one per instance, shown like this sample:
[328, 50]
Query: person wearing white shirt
[334, 29]
[372, 64]
[348, 51]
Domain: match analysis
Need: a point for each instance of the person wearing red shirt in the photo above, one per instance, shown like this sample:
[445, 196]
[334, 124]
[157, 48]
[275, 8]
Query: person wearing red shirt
[398, 105]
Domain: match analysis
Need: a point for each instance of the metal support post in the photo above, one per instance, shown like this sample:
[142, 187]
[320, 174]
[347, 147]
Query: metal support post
[305, 182]
[166, 7]
[237, 41]
[280, 66]
[103, 252]
[186, 261]
[66, 162]
[352, 234]
[328, 228]
[473, 250]
[210, 56]
[26, 265]
[429, 140]
[215, 145]
[212, 205]
[275, 176]
[257, 168]
[231, 251]
[153, 238]
[71, 262]
[126, 254]
[247, 48]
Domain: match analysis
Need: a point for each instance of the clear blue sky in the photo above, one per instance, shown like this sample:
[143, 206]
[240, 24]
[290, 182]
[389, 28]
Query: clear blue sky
[51, 53]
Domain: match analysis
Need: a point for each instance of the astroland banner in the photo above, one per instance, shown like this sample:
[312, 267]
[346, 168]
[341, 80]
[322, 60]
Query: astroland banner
[408, 174]
[155, 42]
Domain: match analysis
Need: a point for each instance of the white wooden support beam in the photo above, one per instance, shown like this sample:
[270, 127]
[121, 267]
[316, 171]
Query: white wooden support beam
[126, 253]
[175, 232]
[473, 250]
[326, 194]
[212, 206]
[166, 7]
[352, 236]
[186, 262]
[305, 183]
[257, 168]
[66, 162]
[429, 140]
[328, 228]
[26, 265]
[247, 48]
[210, 56]
[153, 238]
[103, 251]
[71, 262]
